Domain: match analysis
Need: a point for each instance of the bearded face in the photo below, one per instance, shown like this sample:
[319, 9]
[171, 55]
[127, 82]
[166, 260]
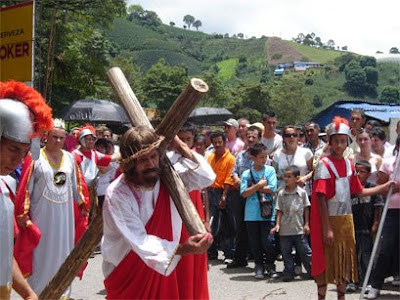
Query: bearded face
[147, 169]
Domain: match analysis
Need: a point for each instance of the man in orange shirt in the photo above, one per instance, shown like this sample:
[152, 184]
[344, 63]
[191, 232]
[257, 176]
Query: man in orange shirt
[221, 211]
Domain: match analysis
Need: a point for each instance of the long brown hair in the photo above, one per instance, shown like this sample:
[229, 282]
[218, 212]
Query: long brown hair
[134, 140]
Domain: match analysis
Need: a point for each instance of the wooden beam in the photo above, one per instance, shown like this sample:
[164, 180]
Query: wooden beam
[177, 115]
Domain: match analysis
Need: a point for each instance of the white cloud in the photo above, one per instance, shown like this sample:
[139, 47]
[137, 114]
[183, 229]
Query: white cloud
[364, 26]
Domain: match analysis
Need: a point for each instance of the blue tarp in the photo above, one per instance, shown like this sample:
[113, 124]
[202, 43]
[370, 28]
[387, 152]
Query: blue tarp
[380, 112]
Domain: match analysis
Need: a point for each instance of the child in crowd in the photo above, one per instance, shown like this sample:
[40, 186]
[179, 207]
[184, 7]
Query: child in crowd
[258, 184]
[332, 228]
[366, 215]
[292, 222]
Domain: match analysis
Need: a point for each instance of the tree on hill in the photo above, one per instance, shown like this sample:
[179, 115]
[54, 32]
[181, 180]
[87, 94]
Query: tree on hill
[394, 50]
[172, 24]
[390, 94]
[289, 101]
[164, 84]
[355, 79]
[330, 44]
[188, 20]
[196, 24]
[143, 17]
[367, 61]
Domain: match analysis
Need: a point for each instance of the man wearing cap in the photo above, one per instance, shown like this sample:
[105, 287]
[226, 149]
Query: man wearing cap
[142, 242]
[243, 125]
[48, 190]
[23, 115]
[270, 138]
[88, 159]
[233, 143]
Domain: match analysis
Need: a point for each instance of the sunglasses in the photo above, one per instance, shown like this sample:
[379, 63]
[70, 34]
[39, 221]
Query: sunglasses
[290, 135]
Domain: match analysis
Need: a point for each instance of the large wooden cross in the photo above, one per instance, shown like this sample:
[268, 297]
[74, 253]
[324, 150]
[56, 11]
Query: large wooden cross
[168, 128]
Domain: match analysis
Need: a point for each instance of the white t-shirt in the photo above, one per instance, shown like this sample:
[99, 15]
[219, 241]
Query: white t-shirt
[298, 159]
[272, 144]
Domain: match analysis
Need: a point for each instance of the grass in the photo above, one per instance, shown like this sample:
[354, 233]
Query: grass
[227, 68]
[323, 56]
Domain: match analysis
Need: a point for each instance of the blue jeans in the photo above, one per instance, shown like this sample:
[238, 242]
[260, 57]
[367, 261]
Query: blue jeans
[262, 243]
[287, 243]
[226, 244]
[388, 244]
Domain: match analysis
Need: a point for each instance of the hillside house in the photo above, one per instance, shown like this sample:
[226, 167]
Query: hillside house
[301, 66]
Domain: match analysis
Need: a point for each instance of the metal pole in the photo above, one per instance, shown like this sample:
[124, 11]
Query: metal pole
[33, 44]
[380, 228]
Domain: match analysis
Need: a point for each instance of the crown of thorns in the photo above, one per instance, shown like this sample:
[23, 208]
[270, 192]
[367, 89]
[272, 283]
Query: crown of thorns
[142, 151]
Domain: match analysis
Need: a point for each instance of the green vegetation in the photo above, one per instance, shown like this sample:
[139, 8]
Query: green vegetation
[159, 59]
[323, 56]
[227, 68]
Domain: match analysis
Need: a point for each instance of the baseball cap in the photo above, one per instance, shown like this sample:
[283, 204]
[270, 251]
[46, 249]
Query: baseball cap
[258, 125]
[232, 122]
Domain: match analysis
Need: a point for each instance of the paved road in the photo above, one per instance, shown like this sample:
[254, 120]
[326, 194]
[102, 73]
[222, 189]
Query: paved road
[226, 284]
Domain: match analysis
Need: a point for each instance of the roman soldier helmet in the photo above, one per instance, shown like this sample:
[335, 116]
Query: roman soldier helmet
[340, 126]
[85, 131]
[24, 114]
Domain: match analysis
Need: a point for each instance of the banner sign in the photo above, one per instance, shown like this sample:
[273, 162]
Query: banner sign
[16, 35]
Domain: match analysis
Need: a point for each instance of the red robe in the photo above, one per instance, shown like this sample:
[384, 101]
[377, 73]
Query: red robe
[192, 268]
[132, 278]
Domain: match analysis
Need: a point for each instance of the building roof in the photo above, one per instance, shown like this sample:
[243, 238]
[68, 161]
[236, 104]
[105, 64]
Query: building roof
[343, 108]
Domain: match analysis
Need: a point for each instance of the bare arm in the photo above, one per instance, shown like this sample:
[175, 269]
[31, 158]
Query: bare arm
[236, 181]
[183, 149]
[277, 227]
[254, 188]
[115, 157]
[307, 177]
[327, 233]
[204, 193]
[20, 285]
[307, 220]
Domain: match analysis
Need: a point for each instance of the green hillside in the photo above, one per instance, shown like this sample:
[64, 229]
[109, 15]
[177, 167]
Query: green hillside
[323, 56]
[238, 68]
[197, 50]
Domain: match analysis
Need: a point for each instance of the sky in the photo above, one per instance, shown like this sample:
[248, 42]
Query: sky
[363, 26]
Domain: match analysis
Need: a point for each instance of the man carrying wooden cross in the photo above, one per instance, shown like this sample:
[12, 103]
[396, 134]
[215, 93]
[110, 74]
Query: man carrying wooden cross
[142, 228]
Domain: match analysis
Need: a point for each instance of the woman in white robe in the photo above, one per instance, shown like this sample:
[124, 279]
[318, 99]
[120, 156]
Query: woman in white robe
[53, 188]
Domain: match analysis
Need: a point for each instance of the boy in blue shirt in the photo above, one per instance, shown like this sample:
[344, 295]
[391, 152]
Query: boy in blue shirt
[258, 185]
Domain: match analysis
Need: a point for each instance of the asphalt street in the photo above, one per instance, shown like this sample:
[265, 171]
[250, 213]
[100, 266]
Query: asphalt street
[227, 284]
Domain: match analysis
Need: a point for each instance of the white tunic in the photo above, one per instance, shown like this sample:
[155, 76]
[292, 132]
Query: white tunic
[6, 235]
[52, 211]
[127, 210]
